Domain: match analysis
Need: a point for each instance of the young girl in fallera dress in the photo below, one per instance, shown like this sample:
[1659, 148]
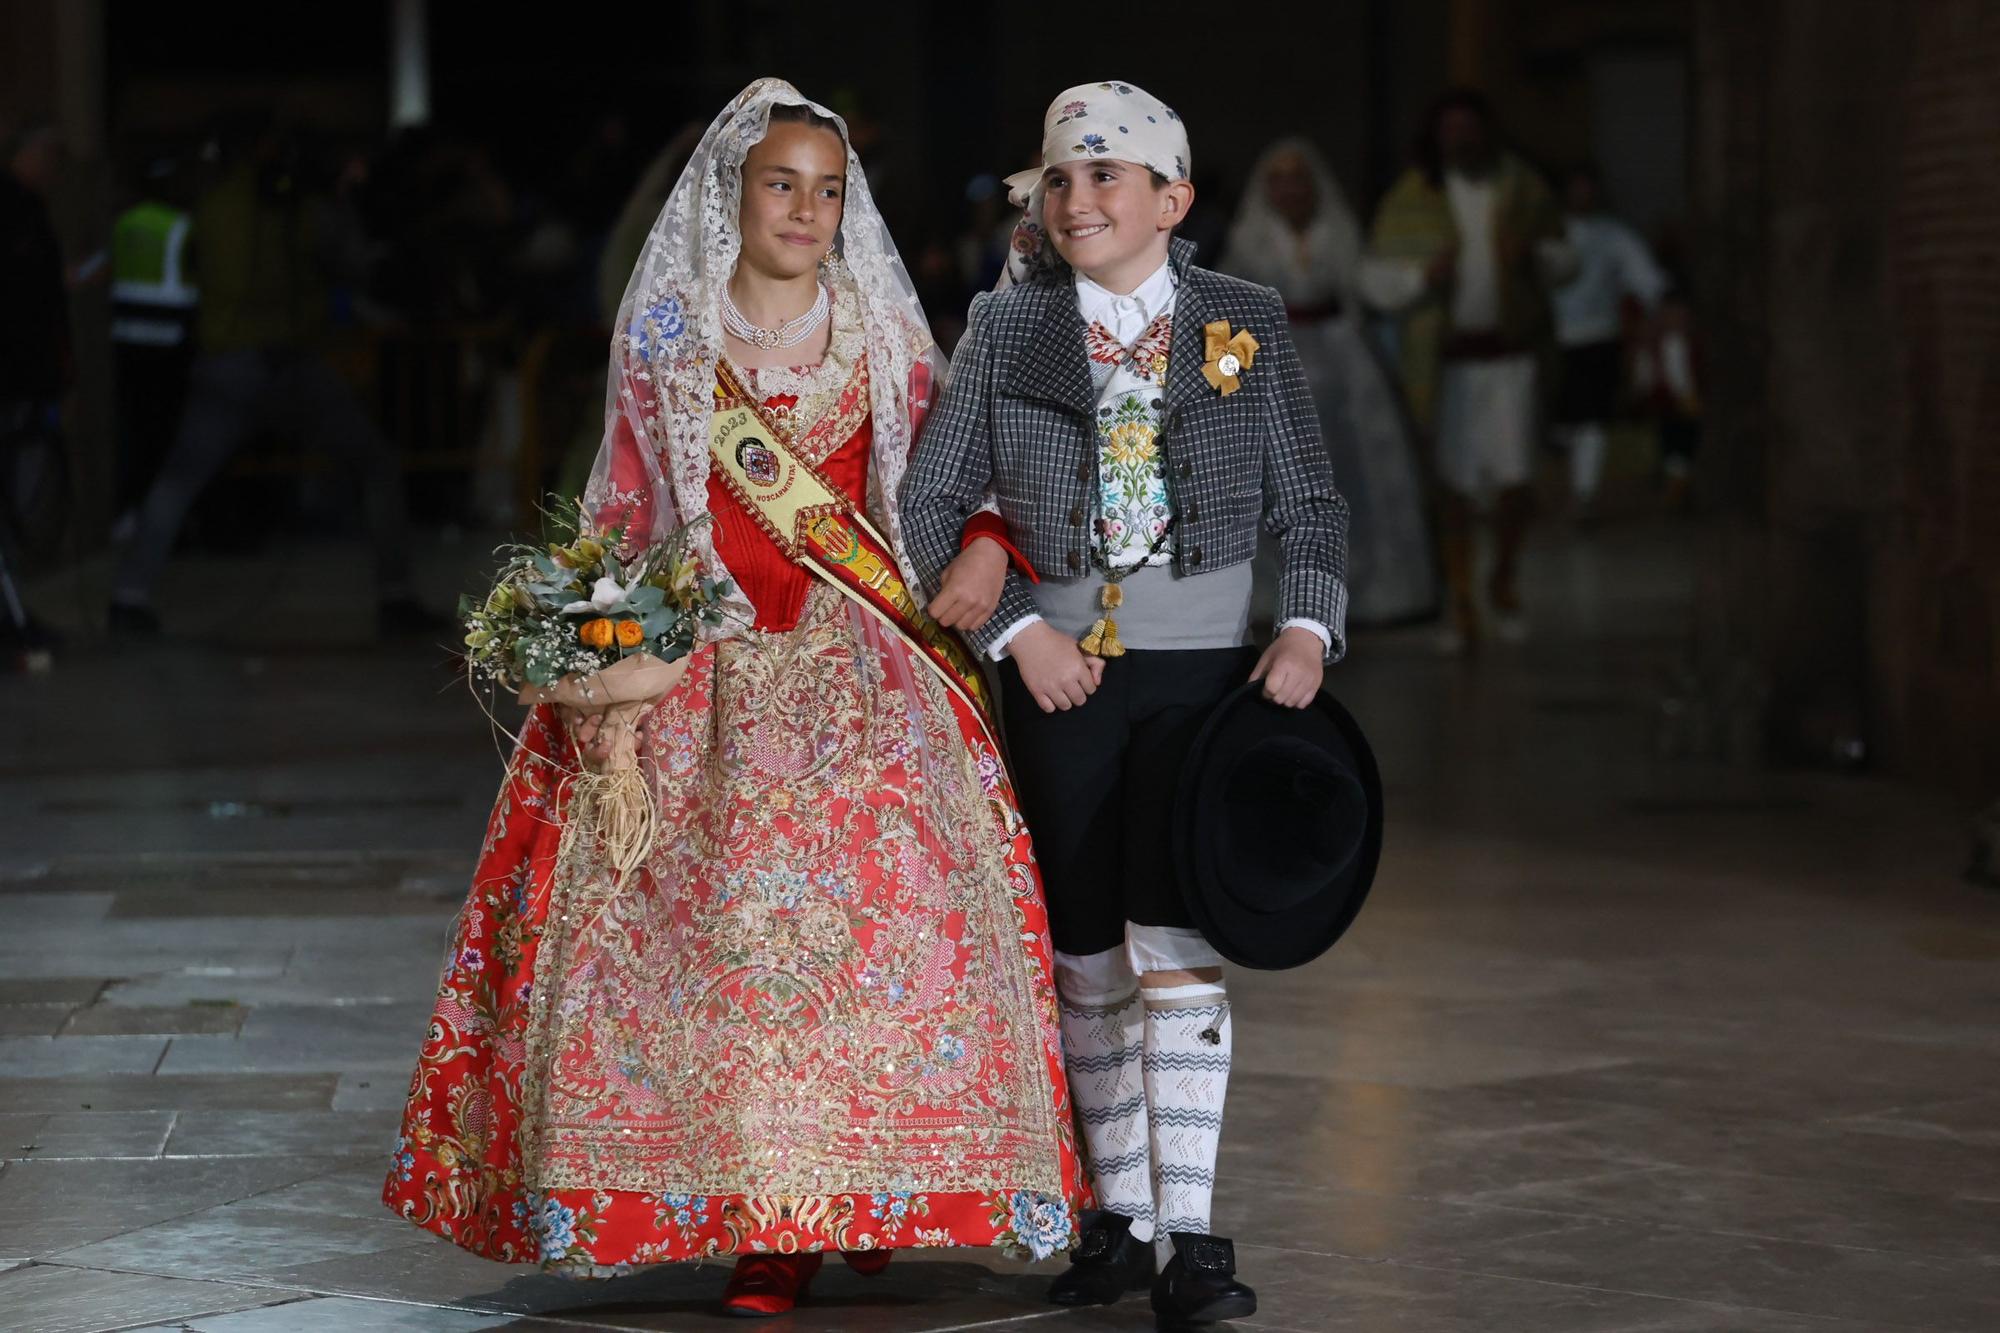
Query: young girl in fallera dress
[820, 1015]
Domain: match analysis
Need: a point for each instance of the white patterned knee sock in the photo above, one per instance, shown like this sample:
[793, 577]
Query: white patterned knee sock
[1103, 1032]
[1187, 1077]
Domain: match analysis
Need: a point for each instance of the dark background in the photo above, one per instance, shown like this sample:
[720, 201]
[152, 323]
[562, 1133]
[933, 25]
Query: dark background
[1822, 172]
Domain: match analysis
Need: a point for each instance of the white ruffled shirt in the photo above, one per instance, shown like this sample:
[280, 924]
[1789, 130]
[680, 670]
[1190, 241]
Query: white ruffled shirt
[1126, 317]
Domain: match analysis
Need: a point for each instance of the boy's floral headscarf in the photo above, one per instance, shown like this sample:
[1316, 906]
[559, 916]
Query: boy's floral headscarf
[1119, 121]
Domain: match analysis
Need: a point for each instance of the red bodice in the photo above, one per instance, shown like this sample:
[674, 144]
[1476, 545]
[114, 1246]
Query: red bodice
[775, 584]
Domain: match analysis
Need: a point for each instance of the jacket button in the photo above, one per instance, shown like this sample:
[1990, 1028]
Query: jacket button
[1187, 470]
[1194, 513]
[1194, 558]
[1083, 472]
[1173, 419]
[1076, 517]
[1075, 561]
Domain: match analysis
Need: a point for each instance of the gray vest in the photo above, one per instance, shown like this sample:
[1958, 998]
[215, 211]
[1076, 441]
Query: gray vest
[1163, 608]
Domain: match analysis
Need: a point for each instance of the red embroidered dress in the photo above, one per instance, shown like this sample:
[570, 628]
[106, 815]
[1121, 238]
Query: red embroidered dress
[821, 1016]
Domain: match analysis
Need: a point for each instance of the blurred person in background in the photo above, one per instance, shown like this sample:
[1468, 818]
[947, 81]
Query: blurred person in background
[1466, 246]
[348, 243]
[35, 351]
[1295, 231]
[259, 365]
[36, 370]
[1667, 378]
[153, 299]
[1614, 267]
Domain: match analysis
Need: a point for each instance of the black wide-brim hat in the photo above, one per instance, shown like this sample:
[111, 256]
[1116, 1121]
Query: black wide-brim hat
[1277, 828]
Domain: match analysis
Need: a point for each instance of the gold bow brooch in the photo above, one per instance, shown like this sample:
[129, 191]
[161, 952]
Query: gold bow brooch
[1229, 355]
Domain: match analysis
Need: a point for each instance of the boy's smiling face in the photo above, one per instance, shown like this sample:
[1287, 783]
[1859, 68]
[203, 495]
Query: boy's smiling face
[1110, 221]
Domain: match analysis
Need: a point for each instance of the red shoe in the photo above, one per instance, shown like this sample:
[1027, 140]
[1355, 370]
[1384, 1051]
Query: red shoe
[768, 1284]
[868, 1263]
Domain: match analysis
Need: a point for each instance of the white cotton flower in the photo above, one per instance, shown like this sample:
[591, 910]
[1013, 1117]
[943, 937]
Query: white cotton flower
[605, 598]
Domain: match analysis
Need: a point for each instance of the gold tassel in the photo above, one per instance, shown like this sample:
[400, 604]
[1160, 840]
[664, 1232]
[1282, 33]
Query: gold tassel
[1102, 641]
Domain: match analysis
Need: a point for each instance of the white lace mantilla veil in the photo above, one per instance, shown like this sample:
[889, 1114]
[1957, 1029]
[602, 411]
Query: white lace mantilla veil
[1262, 246]
[652, 468]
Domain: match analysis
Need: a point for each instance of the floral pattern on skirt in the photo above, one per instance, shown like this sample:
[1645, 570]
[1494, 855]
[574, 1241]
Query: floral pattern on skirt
[820, 1017]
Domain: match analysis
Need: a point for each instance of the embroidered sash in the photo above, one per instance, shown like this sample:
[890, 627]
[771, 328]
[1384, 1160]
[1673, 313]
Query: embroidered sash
[818, 526]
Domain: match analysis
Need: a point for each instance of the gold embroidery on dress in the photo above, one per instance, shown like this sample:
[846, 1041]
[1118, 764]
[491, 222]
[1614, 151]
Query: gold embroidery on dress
[817, 984]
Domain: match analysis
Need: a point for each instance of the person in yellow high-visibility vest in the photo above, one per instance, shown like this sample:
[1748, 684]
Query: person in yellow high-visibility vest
[149, 283]
[260, 366]
[153, 310]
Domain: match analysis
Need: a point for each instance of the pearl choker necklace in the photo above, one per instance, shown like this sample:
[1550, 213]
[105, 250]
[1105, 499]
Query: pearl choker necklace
[789, 334]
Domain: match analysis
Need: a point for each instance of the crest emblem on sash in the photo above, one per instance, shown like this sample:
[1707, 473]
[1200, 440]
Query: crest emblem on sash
[757, 461]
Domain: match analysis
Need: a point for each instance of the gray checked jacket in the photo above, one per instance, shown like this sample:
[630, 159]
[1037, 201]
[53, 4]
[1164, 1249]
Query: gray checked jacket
[1017, 417]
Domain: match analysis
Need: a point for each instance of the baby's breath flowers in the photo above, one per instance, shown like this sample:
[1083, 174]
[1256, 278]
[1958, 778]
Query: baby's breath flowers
[575, 607]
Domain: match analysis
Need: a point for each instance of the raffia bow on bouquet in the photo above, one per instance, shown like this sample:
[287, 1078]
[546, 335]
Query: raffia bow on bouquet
[604, 635]
[610, 799]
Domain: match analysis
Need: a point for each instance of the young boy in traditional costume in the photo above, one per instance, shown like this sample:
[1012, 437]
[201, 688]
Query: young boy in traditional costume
[1135, 418]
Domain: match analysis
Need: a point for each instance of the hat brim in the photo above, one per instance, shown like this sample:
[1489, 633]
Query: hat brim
[1297, 934]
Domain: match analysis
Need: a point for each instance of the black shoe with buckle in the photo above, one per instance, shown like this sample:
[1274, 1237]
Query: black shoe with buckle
[1106, 1264]
[1199, 1286]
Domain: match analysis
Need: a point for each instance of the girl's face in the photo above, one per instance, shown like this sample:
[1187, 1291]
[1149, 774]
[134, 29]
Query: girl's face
[1105, 215]
[794, 182]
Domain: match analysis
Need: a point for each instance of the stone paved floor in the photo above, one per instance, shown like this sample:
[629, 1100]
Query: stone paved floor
[1619, 1044]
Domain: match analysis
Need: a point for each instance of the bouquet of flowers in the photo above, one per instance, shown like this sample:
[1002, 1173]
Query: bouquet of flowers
[576, 609]
[604, 638]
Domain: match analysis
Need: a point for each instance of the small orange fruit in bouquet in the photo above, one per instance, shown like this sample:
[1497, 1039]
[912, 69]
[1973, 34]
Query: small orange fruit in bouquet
[603, 633]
